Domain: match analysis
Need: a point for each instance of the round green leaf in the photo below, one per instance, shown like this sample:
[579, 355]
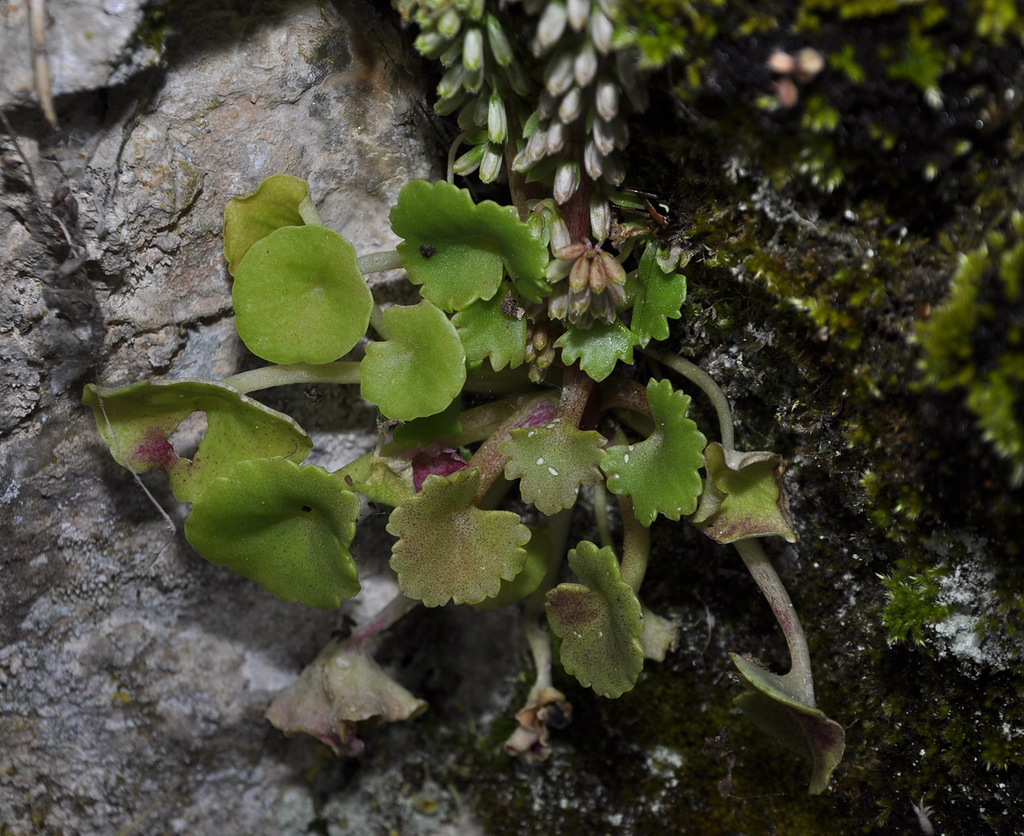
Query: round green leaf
[299, 296]
[458, 249]
[420, 370]
[285, 526]
[281, 200]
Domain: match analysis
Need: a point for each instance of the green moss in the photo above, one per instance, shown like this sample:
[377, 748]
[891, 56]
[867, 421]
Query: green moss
[975, 340]
[913, 604]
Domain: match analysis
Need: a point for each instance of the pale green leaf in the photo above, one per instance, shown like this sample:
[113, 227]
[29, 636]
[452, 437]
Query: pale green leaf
[287, 527]
[552, 462]
[450, 550]
[599, 623]
[420, 369]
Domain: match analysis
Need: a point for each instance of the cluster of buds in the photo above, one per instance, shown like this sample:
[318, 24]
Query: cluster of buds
[540, 347]
[593, 289]
[577, 127]
[481, 72]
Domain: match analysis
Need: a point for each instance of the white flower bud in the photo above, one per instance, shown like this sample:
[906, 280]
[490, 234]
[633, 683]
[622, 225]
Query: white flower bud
[577, 11]
[600, 216]
[497, 120]
[473, 49]
[475, 9]
[559, 233]
[490, 165]
[601, 30]
[550, 27]
[535, 146]
[546, 105]
[572, 104]
[446, 107]
[518, 80]
[567, 181]
[584, 65]
[558, 74]
[501, 49]
[614, 169]
[556, 138]
[592, 160]
[607, 100]
[604, 138]
[474, 80]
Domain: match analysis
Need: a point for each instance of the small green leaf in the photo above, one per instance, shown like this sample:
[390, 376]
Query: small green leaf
[775, 707]
[488, 332]
[137, 423]
[285, 526]
[598, 348]
[281, 200]
[659, 297]
[743, 496]
[450, 550]
[552, 462]
[458, 250]
[420, 370]
[299, 296]
[599, 624]
[661, 473]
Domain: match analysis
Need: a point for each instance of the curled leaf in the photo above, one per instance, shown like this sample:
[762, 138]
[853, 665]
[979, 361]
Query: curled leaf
[280, 200]
[743, 496]
[551, 462]
[450, 550]
[287, 527]
[341, 687]
[299, 296]
[459, 250]
[776, 707]
[420, 370]
[137, 423]
[661, 473]
[599, 623]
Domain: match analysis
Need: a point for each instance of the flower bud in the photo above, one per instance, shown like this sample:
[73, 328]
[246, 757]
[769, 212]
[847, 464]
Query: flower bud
[550, 27]
[559, 233]
[607, 100]
[614, 271]
[579, 276]
[614, 169]
[501, 49]
[497, 120]
[474, 80]
[451, 82]
[558, 74]
[473, 49]
[604, 139]
[572, 104]
[518, 80]
[449, 23]
[577, 11]
[470, 161]
[490, 165]
[556, 138]
[447, 106]
[567, 180]
[584, 65]
[601, 30]
[600, 216]
[431, 43]
[592, 160]
[535, 146]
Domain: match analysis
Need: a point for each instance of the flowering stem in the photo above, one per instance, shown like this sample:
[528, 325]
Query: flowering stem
[636, 545]
[768, 582]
